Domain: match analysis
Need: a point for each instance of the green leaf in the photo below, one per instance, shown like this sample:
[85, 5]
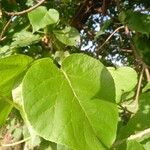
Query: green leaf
[130, 145]
[140, 121]
[61, 147]
[143, 47]
[69, 36]
[73, 105]
[41, 17]
[24, 38]
[10, 68]
[125, 79]
[146, 88]
[134, 145]
[5, 109]
[60, 56]
[122, 16]
[138, 21]
[146, 143]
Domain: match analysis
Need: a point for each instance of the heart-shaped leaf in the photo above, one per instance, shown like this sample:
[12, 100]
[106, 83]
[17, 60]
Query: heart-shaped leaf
[73, 105]
[125, 79]
[41, 17]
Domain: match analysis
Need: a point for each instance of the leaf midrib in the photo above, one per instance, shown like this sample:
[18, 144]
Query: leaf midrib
[75, 95]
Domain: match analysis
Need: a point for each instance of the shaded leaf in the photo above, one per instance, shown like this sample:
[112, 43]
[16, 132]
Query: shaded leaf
[140, 121]
[143, 47]
[136, 21]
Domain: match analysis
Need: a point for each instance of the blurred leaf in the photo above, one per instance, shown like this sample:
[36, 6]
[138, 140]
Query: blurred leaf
[40, 17]
[138, 21]
[24, 38]
[68, 36]
[10, 68]
[142, 44]
[122, 16]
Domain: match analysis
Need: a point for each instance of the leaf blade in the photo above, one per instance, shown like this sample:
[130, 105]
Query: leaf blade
[62, 102]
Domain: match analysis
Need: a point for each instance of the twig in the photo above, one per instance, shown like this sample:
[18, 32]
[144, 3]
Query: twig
[139, 86]
[5, 28]
[16, 143]
[147, 74]
[136, 54]
[25, 11]
[126, 50]
[110, 36]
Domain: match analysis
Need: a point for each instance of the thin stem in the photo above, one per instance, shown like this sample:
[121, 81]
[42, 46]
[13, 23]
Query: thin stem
[121, 27]
[5, 28]
[25, 11]
[15, 143]
[147, 74]
[135, 53]
[139, 85]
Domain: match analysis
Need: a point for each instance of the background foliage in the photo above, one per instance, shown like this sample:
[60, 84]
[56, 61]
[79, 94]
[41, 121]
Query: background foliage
[74, 74]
